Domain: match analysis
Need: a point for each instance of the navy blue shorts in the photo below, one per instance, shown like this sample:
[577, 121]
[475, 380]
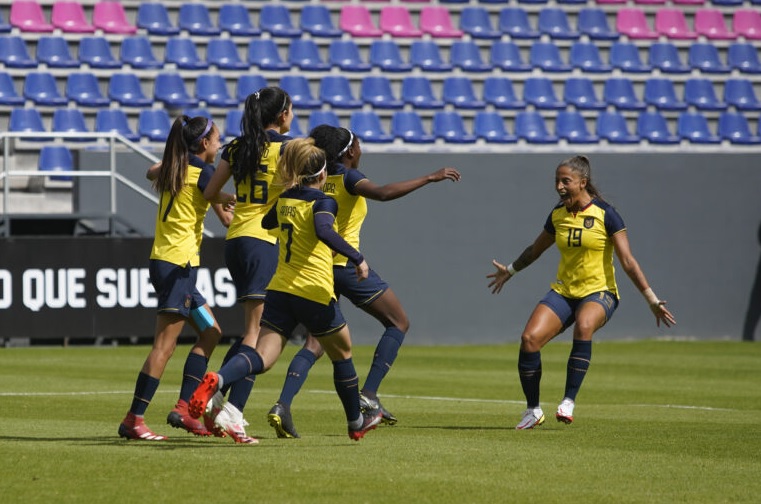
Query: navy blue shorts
[251, 262]
[565, 308]
[283, 312]
[175, 287]
[359, 293]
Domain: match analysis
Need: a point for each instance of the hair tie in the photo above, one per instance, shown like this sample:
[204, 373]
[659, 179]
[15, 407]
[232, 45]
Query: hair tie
[206, 130]
[345, 149]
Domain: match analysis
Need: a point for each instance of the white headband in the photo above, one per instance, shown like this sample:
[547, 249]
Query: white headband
[345, 149]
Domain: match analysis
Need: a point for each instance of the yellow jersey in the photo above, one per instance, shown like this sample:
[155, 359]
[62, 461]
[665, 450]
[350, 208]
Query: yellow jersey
[353, 207]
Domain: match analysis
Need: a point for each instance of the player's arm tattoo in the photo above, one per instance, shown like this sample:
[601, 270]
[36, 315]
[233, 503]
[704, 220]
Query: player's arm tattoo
[525, 259]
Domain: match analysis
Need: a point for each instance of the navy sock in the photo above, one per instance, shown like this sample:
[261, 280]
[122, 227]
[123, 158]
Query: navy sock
[192, 374]
[240, 391]
[530, 372]
[297, 374]
[347, 385]
[578, 364]
[231, 352]
[246, 362]
[385, 355]
[145, 388]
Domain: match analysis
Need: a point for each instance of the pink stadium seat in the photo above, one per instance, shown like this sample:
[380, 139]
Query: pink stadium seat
[710, 22]
[633, 24]
[27, 16]
[673, 24]
[688, 2]
[357, 21]
[111, 18]
[747, 23]
[396, 21]
[70, 18]
[435, 21]
[650, 2]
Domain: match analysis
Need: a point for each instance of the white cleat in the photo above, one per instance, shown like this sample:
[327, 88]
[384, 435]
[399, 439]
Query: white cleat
[565, 411]
[532, 417]
[231, 421]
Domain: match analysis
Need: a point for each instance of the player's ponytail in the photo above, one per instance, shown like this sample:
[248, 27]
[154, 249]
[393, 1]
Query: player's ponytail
[581, 165]
[184, 138]
[301, 163]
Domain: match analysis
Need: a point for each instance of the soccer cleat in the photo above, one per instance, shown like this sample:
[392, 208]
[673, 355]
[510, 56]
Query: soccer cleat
[133, 427]
[368, 404]
[280, 419]
[532, 417]
[203, 394]
[370, 420]
[213, 408]
[180, 419]
[230, 420]
[565, 411]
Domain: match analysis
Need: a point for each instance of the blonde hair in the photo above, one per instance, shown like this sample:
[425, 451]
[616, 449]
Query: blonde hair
[300, 163]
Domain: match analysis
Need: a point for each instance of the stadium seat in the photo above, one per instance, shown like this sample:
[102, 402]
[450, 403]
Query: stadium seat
[41, 88]
[499, 92]
[275, 19]
[27, 120]
[357, 21]
[250, 83]
[318, 117]
[594, 24]
[466, 55]
[539, 92]
[619, 92]
[409, 127]
[53, 51]
[705, 57]
[223, 54]
[28, 16]
[611, 2]
[450, 127]
[154, 124]
[530, 126]
[747, 23]
[586, 57]
[4, 26]
[514, 21]
[297, 87]
[336, 91]
[475, 21]
[612, 127]
[154, 18]
[733, 126]
[345, 55]
[662, 94]
[232, 123]
[386, 55]
[14, 54]
[316, 20]
[729, 3]
[554, 23]
[138, 53]
[694, 127]
[506, 55]
[234, 19]
[70, 120]
[56, 159]
[169, 88]
[672, 24]
[740, 94]
[652, 126]
[688, 2]
[435, 21]
[710, 23]
[425, 55]
[490, 126]
[633, 24]
[376, 91]
[264, 54]
[580, 92]
[572, 127]
[367, 126]
[417, 91]
[108, 120]
[625, 57]
[743, 57]
[295, 130]
[458, 92]
[70, 17]
[397, 22]
[125, 88]
[110, 17]
[196, 20]
[304, 54]
[84, 90]
[182, 52]
[665, 57]
[546, 55]
[8, 93]
[701, 94]
[96, 53]
[198, 112]
[212, 89]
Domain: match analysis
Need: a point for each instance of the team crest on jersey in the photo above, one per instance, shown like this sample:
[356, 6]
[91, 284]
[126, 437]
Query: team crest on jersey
[187, 301]
[589, 222]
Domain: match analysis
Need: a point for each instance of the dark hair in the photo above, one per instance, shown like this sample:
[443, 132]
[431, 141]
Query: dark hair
[334, 141]
[261, 109]
[184, 138]
[301, 162]
[580, 164]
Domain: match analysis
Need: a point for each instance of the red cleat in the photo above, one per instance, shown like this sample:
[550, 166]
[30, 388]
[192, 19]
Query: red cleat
[179, 418]
[203, 394]
[133, 427]
[370, 421]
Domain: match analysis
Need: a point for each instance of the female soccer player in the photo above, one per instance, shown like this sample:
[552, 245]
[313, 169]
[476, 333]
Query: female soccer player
[184, 171]
[301, 291]
[586, 230]
[350, 188]
[250, 250]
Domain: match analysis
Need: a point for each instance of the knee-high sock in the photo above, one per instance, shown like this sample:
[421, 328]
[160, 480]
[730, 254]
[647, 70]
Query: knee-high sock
[145, 388]
[192, 374]
[246, 362]
[530, 372]
[231, 352]
[578, 364]
[240, 391]
[297, 374]
[347, 385]
[385, 355]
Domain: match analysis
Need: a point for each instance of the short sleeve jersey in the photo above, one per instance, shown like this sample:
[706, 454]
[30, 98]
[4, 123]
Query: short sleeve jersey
[586, 250]
[341, 187]
[255, 196]
[305, 263]
[179, 221]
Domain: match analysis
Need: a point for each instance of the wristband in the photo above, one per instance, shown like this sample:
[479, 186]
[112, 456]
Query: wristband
[511, 269]
[650, 296]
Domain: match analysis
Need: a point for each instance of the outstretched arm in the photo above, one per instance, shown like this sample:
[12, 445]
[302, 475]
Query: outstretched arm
[528, 256]
[395, 190]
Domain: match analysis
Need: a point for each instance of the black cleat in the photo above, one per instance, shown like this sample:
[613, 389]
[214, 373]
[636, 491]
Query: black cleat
[367, 405]
[280, 419]
[370, 420]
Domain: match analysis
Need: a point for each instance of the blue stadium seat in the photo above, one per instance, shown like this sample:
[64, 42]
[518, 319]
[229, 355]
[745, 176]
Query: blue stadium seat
[367, 126]
[701, 94]
[694, 127]
[705, 57]
[138, 53]
[458, 92]
[295, 130]
[169, 88]
[546, 55]
[450, 127]
[580, 92]
[499, 92]
[572, 127]
[733, 126]
[530, 126]
[417, 91]
[56, 159]
[554, 22]
[594, 24]
[376, 91]
[386, 55]
[14, 54]
[154, 124]
[223, 53]
[275, 19]
[652, 126]
[196, 19]
[409, 127]
[619, 92]
[125, 89]
[27, 120]
[625, 57]
[665, 57]
[154, 18]
[198, 112]
[586, 57]
[336, 91]
[466, 55]
[108, 120]
[740, 94]
[182, 52]
[661, 93]
[316, 20]
[304, 54]
[297, 87]
[425, 55]
[514, 21]
[232, 123]
[247, 84]
[212, 89]
[539, 92]
[235, 20]
[83, 88]
[8, 93]
[743, 57]
[475, 21]
[490, 126]
[318, 117]
[506, 55]
[96, 52]
[612, 127]
[54, 52]
[69, 120]
[264, 54]
[41, 88]
[345, 55]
